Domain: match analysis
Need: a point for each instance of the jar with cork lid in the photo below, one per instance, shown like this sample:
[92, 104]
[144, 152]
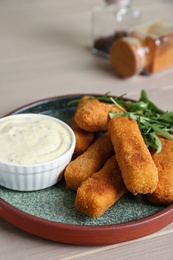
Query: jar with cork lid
[111, 20]
[147, 49]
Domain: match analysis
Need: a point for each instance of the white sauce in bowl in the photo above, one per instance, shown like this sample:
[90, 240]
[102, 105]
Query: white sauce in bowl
[32, 139]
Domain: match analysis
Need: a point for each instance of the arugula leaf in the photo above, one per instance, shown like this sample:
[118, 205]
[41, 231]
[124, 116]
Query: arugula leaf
[152, 121]
[144, 98]
[152, 140]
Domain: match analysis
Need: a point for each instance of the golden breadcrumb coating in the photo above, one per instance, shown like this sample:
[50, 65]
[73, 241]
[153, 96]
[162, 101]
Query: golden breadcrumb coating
[163, 193]
[101, 190]
[83, 139]
[89, 162]
[93, 115]
[138, 169]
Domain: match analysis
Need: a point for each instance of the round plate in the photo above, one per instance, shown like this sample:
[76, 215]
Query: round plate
[50, 213]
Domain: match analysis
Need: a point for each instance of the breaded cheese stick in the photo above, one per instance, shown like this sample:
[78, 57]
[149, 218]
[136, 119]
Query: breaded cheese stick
[83, 139]
[93, 115]
[83, 101]
[89, 162]
[163, 193]
[101, 190]
[138, 169]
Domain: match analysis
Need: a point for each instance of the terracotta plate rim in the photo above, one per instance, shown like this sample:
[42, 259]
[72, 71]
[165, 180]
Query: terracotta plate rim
[86, 235]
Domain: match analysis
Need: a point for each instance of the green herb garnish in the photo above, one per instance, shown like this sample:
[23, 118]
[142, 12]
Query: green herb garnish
[151, 120]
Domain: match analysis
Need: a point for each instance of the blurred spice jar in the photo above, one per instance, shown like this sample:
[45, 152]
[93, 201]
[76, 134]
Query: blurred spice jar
[147, 49]
[111, 20]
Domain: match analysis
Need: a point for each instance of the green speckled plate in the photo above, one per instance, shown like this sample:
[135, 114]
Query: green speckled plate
[50, 213]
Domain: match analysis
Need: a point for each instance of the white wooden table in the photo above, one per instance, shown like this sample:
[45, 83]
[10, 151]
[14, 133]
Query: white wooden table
[45, 52]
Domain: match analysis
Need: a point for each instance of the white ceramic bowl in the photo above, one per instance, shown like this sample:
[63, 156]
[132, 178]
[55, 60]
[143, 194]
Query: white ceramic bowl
[30, 177]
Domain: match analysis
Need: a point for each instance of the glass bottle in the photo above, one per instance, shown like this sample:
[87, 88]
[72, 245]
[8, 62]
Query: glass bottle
[147, 49]
[111, 20]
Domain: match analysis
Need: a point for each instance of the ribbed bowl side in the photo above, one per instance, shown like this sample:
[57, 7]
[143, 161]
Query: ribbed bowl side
[32, 177]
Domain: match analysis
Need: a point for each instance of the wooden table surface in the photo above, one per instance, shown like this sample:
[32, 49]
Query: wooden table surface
[45, 52]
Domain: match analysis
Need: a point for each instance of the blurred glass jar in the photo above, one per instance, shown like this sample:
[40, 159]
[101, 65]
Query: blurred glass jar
[147, 49]
[110, 21]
